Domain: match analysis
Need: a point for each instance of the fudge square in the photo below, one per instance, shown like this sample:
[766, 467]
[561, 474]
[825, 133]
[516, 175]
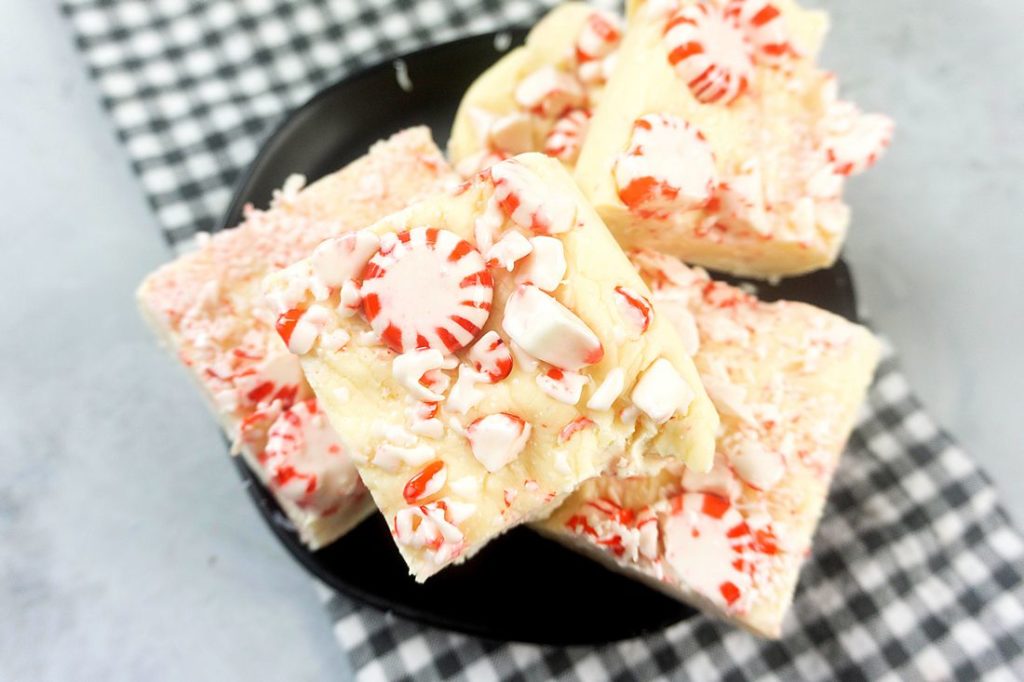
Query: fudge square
[538, 97]
[208, 309]
[484, 352]
[787, 379]
[718, 139]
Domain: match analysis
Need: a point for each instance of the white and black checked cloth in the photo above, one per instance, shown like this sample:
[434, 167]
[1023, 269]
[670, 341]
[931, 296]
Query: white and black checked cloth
[916, 574]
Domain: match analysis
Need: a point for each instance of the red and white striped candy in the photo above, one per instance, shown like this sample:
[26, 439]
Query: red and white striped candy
[549, 92]
[669, 166]
[549, 331]
[765, 27]
[429, 526]
[710, 52]
[634, 307]
[497, 439]
[712, 549]
[306, 461]
[491, 356]
[575, 426]
[427, 288]
[853, 140]
[566, 137]
[426, 483]
[528, 202]
[599, 36]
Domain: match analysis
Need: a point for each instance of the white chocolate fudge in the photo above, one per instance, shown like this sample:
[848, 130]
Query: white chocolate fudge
[538, 97]
[208, 309]
[486, 351]
[718, 139]
[787, 379]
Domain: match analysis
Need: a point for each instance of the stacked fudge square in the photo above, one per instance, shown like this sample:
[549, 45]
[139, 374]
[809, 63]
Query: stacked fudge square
[528, 336]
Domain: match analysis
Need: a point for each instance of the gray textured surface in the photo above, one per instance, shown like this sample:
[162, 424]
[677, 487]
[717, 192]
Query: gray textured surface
[128, 550]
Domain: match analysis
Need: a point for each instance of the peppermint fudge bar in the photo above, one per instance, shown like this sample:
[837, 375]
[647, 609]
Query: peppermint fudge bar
[486, 351]
[787, 379]
[207, 307]
[718, 139]
[538, 97]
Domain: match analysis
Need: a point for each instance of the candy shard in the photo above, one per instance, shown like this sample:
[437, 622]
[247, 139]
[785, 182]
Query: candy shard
[609, 390]
[343, 258]
[426, 483]
[464, 394]
[391, 457]
[426, 287]
[549, 92]
[490, 355]
[531, 205]
[409, 368]
[545, 266]
[566, 136]
[497, 439]
[565, 387]
[549, 331]
[757, 466]
[853, 140]
[661, 392]
[634, 307]
[508, 250]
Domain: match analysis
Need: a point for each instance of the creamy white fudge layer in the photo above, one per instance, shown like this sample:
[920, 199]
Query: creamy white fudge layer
[787, 379]
[484, 352]
[538, 97]
[720, 141]
[207, 307]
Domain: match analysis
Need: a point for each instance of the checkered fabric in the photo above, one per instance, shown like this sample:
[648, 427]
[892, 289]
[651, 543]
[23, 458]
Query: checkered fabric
[193, 86]
[917, 572]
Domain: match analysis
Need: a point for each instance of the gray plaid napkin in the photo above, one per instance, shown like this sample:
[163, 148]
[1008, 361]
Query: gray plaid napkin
[917, 572]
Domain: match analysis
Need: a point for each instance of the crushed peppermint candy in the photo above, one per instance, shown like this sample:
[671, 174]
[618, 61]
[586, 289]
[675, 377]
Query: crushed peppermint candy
[549, 331]
[545, 267]
[565, 387]
[634, 308]
[661, 392]
[549, 92]
[490, 355]
[497, 439]
[525, 199]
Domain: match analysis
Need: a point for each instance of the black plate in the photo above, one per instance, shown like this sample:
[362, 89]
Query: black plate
[520, 587]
